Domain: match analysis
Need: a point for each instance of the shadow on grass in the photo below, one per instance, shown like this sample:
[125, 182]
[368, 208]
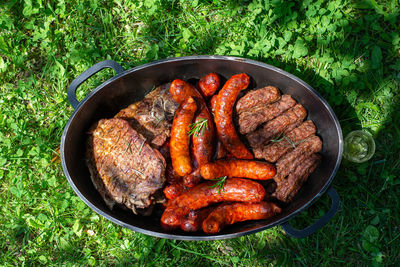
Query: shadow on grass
[367, 190]
[358, 185]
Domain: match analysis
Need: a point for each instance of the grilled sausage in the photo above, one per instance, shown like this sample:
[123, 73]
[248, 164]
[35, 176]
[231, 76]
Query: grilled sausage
[192, 179]
[209, 84]
[179, 143]
[171, 176]
[172, 191]
[227, 214]
[223, 116]
[204, 194]
[213, 103]
[238, 168]
[193, 221]
[164, 150]
[203, 141]
[180, 90]
[220, 151]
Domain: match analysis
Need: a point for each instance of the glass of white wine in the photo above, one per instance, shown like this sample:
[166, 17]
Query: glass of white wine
[359, 146]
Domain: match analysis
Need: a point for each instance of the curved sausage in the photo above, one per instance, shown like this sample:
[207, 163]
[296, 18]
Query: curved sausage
[223, 116]
[213, 103]
[209, 84]
[193, 221]
[227, 214]
[203, 142]
[220, 151]
[172, 191]
[171, 176]
[179, 142]
[180, 90]
[238, 168]
[164, 150]
[192, 179]
[204, 194]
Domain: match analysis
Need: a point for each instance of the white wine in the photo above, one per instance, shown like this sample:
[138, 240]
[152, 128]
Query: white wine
[359, 146]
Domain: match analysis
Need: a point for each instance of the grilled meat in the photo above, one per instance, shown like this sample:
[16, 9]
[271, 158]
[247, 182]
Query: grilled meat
[250, 119]
[152, 116]
[124, 168]
[287, 188]
[273, 151]
[285, 164]
[285, 122]
[258, 97]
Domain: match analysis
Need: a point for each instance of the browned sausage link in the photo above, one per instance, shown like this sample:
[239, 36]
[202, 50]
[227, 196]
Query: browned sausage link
[171, 176]
[204, 194]
[220, 152]
[209, 84]
[203, 141]
[192, 179]
[213, 103]
[172, 191]
[223, 116]
[193, 221]
[180, 139]
[227, 214]
[180, 90]
[238, 168]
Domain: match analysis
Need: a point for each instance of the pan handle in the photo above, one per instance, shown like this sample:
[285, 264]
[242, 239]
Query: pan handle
[86, 75]
[318, 224]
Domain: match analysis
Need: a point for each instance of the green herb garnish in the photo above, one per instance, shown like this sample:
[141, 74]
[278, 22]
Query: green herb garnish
[220, 184]
[279, 138]
[141, 146]
[128, 146]
[197, 127]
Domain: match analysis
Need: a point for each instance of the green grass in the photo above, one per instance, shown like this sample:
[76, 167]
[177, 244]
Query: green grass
[348, 50]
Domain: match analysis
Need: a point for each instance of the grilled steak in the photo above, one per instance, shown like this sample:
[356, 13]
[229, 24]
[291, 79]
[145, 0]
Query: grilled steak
[272, 152]
[152, 116]
[285, 122]
[124, 168]
[286, 163]
[287, 188]
[258, 97]
[250, 119]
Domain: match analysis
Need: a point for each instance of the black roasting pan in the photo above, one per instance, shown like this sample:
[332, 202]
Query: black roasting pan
[132, 85]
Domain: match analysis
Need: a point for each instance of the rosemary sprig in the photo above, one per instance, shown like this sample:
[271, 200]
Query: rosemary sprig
[197, 127]
[139, 172]
[141, 146]
[220, 184]
[128, 146]
[282, 137]
[278, 138]
[290, 141]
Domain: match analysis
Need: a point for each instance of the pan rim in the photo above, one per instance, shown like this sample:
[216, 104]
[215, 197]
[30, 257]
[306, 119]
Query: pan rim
[205, 237]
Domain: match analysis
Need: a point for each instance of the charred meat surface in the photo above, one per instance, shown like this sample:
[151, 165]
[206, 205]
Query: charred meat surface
[258, 97]
[286, 143]
[285, 164]
[287, 188]
[250, 119]
[124, 168]
[152, 116]
[280, 124]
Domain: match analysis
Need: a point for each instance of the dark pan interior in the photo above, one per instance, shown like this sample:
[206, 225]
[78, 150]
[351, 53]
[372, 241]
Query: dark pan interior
[115, 94]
